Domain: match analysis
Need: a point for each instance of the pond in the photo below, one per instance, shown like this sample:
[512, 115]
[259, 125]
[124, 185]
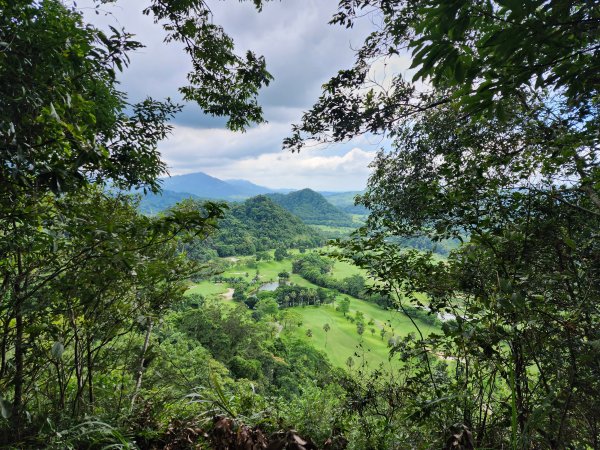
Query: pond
[269, 286]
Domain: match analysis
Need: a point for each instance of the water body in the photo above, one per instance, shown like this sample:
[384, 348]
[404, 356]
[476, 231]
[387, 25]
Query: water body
[269, 286]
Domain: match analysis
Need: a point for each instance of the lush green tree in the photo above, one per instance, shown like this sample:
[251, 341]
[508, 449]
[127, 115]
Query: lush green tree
[251, 301]
[290, 319]
[78, 268]
[284, 277]
[268, 307]
[354, 285]
[239, 294]
[313, 261]
[344, 305]
[280, 254]
[263, 256]
[94, 271]
[360, 327]
[326, 329]
[499, 147]
[350, 362]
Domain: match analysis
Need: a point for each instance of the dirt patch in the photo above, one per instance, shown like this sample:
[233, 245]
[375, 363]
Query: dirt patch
[228, 295]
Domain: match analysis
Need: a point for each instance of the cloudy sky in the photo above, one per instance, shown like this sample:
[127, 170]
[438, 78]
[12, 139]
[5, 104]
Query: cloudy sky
[302, 52]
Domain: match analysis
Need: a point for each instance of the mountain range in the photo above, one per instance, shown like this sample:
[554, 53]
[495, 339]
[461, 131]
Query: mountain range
[312, 208]
[206, 186]
[333, 210]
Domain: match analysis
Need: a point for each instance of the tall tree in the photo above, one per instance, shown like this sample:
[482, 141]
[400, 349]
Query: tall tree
[498, 146]
[77, 267]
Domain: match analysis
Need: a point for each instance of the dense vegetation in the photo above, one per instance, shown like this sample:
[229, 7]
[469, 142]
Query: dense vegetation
[255, 225]
[316, 269]
[500, 145]
[312, 208]
[495, 146]
[154, 203]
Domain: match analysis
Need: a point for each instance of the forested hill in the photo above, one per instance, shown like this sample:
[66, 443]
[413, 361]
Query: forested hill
[345, 202]
[205, 186]
[154, 203]
[255, 225]
[312, 208]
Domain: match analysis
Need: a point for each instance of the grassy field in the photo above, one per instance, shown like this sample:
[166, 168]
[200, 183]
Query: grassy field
[343, 269]
[208, 288]
[343, 341]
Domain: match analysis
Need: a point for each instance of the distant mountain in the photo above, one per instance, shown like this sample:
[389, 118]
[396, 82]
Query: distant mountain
[249, 187]
[155, 203]
[345, 202]
[206, 186]
[255, 189]
[254, 225]
[312, 208]
[201, 185]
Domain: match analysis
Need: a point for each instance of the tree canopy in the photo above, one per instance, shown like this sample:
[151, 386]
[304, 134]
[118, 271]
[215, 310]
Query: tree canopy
[79, 267]
[495, 143]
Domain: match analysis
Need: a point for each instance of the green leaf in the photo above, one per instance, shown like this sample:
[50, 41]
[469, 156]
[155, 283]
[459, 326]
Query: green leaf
[57, 350]
[5, 409]
[53, 112]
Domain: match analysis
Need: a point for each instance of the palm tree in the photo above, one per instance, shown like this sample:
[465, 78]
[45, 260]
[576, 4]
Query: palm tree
[326, 329]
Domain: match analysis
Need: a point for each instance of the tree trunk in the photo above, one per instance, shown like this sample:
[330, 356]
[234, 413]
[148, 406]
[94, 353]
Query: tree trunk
[90, 374]
[140, 371]
[17, 406]
[77, 360]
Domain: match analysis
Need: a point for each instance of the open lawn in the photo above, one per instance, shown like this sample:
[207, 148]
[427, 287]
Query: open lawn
[208, 288]
[343, 341]
[343, 269]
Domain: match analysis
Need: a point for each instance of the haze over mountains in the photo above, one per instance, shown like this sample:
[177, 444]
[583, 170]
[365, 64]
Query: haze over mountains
[206, 186]
[310, 206]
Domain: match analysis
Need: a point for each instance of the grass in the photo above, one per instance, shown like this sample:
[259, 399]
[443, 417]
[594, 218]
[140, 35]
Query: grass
[343, 341]
[208, 288]
[343, 269]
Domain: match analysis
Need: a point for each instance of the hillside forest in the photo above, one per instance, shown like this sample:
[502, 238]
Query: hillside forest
[452, 304]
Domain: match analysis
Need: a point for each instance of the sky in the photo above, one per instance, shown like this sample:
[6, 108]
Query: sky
[302, 52]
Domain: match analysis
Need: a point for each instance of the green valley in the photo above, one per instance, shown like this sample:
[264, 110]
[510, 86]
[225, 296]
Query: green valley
[383, 326]
[423, 271]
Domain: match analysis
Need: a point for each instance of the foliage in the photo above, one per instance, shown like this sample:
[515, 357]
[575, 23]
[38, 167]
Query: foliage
[257, 225]
[498, 149]
[312, 208]
[280, 254]
[344, 305]
[83, 276]
[498, 146]
[222, 82]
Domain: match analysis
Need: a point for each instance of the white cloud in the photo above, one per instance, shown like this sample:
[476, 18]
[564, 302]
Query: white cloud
[302, 52]
[312, 169]
[188, 148]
